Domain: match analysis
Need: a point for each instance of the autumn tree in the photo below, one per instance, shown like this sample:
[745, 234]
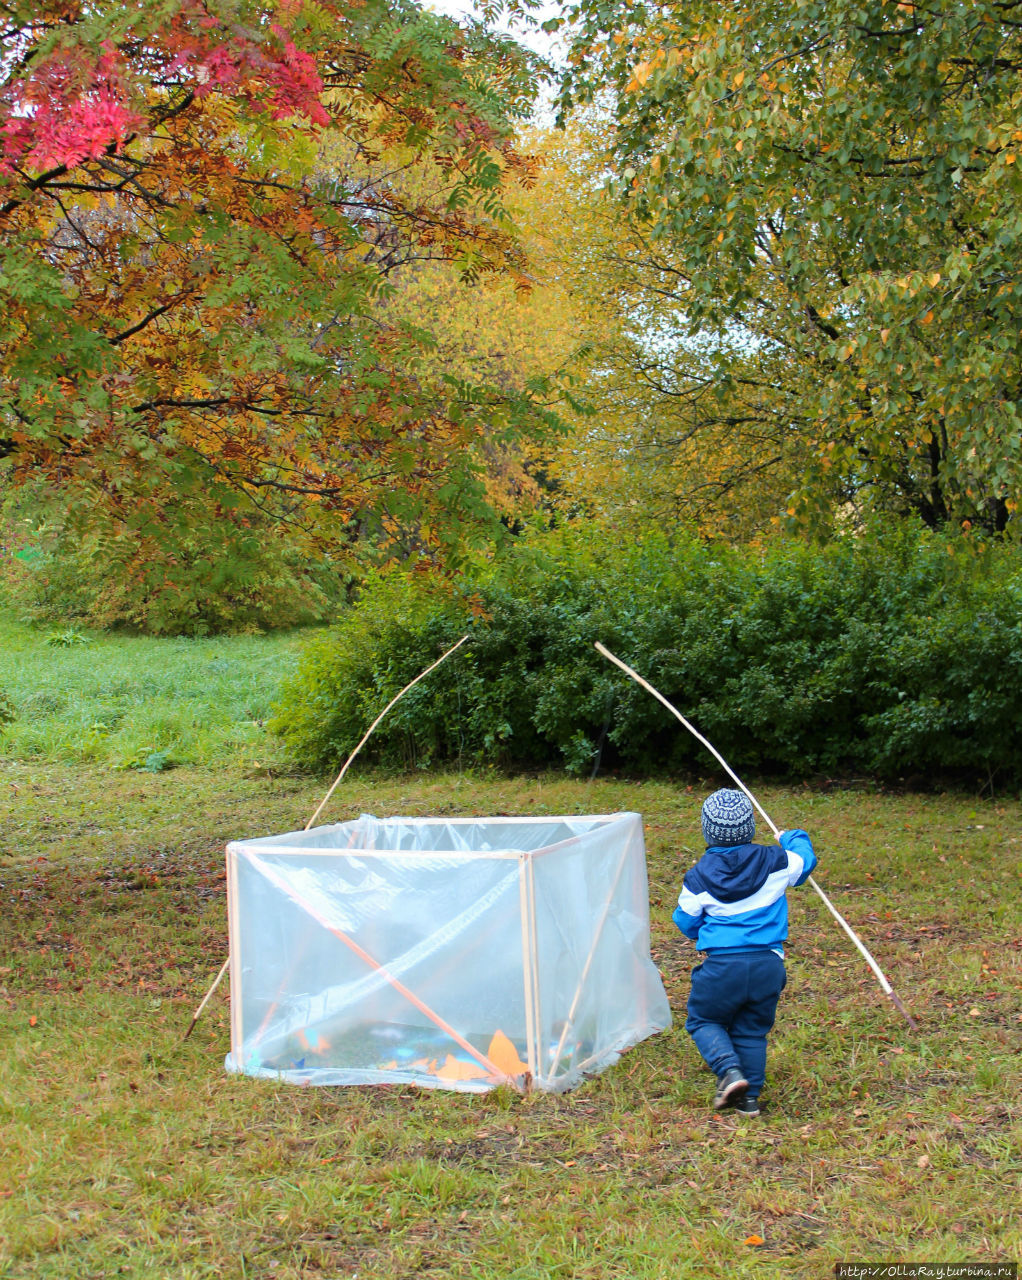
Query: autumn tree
[836, 186]
[517, 334]
[202, 212]
[678, 433]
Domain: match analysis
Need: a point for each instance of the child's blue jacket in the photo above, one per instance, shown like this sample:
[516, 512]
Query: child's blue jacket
[734, 896]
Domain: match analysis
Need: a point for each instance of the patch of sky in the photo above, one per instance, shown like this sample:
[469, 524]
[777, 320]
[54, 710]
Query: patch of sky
[524, 25]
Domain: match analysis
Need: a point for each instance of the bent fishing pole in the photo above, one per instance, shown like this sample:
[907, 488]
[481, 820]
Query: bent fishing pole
[881, 977]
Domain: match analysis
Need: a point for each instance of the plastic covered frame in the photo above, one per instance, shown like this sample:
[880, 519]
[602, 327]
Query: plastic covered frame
[450, 953]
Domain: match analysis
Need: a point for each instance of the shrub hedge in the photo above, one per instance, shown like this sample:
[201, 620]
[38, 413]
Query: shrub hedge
[891, 656]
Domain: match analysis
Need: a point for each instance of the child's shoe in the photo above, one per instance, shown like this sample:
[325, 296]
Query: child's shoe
[730, 1086]
[746, 1106]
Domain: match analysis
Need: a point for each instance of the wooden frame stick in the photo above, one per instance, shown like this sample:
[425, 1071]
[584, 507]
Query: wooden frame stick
[885, 985]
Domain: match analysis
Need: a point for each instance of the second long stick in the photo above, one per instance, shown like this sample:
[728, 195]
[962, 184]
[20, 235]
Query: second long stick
[881, 977]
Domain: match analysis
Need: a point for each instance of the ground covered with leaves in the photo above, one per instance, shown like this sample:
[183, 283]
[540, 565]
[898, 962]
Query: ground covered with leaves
[130, 1152]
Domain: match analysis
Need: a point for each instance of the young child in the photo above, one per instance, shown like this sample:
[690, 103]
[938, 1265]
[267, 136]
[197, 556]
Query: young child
[733, 905]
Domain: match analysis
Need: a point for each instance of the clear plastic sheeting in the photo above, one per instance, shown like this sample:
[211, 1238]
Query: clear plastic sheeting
[449, 953]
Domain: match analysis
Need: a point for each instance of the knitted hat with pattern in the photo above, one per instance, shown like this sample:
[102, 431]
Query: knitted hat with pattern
[728, 818]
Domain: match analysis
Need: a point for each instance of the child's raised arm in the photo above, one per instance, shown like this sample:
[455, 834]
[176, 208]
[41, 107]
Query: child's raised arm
[801, 855]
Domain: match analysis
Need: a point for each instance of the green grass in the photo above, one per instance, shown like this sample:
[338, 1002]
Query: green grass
[130, 1152]
[127, 1151]
[83, 697]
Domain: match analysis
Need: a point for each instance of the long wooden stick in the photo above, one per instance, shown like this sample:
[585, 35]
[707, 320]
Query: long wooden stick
[885, 985]
[216, 982]
[421, 676]
[365, 738]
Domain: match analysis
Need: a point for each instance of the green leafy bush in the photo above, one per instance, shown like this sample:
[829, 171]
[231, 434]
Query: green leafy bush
[883, 655]
[67, 639]
[193, 569]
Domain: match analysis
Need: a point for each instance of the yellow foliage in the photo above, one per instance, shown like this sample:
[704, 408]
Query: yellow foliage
[656, 448]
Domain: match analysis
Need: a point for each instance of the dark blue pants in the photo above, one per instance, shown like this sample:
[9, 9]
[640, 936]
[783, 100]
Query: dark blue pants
[731, 1008]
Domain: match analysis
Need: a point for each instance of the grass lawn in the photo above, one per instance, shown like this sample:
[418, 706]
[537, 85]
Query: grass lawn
[129, 701]
[127, 1152]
